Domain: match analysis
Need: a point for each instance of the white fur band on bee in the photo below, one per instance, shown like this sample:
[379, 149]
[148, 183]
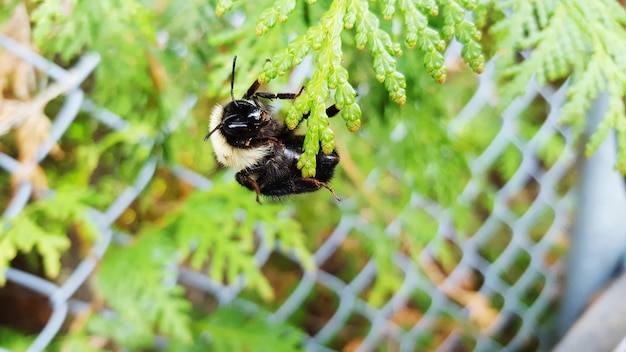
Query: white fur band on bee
[229, 156]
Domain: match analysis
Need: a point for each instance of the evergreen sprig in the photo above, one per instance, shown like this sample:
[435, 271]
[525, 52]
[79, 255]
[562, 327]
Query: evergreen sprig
[139, 283]
[232, 328]
[205, 233]
[324, 41]
[41, 227]
[579, 39]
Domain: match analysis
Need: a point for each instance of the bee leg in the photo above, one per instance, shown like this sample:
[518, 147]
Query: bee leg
[331, 191]
[252, 90]
[331, 111]
[255, 142]
[245, 179]
[319, 184]
[271, 96]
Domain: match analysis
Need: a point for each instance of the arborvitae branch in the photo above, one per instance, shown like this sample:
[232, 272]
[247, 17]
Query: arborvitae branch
[325, 43]
[580, 39]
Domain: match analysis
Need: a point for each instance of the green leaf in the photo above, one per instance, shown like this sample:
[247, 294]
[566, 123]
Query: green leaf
[219, 227]
[571, 38]
[232, 329]
[326, 44]
[15, 341]
[42, 226]
[138, 283]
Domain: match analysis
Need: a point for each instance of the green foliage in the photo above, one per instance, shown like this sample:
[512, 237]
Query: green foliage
[325, 42]
[579, 39]
[14, 340]
[75, 342]
[8, 7]
[508, 162]
[128, 40]
[138, 281]
[155, 53]
[204, 231]
[231, 328]
[139, 284]
[412, 160]
[41, 227]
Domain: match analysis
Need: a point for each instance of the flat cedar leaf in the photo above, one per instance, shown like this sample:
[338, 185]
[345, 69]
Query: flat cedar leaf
[565, 43]
[66, 204]
[417, 223]
[12, 340]
[135, 134]
[42, 226]
[117, 328]
[221, 226]
[232, 329]
[7, 253]
[381, 246]
[24, 232]
[51, 247]
[79, 25]
[171, 319]
[509, 161]
[136, 283]
[74, 342]
[87, 157]
[24, 235]
[200, 343]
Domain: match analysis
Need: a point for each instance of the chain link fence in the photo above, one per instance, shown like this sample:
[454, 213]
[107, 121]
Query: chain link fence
[510, 260]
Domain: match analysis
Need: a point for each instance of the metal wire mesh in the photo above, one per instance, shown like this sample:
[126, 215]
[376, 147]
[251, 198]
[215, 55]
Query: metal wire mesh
[520, 300]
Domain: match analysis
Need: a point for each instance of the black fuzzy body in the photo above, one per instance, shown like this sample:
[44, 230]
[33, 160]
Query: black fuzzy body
[262, 150]
[277, 174]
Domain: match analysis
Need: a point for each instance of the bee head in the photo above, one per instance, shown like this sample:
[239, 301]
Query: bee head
[243, 119]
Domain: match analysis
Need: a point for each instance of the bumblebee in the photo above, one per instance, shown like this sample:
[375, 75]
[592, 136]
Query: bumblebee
[261, 149]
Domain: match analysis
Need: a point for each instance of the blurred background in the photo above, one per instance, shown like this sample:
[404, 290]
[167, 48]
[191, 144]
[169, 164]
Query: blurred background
[470, 218]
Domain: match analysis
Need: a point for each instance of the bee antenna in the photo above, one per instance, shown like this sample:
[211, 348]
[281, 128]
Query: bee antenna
[232, 82]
